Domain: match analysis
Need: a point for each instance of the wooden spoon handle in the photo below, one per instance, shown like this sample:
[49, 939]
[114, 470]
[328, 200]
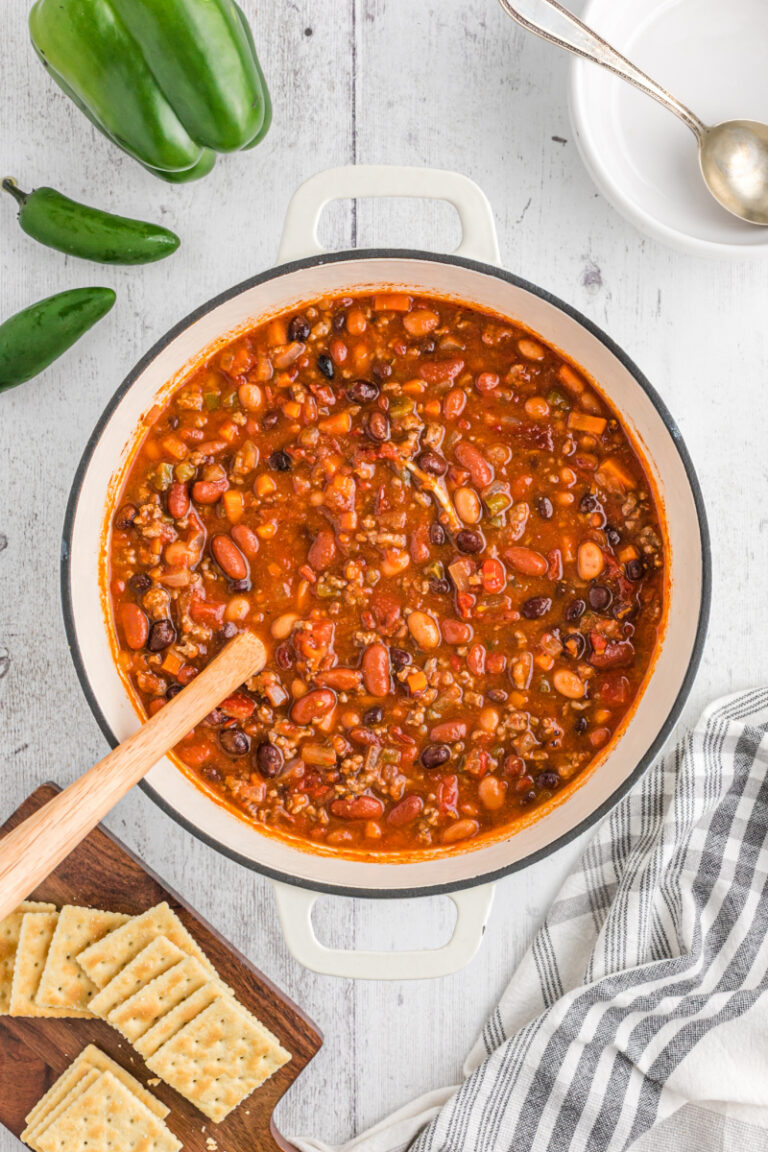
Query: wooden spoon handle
[31, 852]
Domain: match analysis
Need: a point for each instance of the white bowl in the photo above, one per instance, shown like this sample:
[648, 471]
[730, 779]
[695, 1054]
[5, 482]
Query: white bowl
[711, 55]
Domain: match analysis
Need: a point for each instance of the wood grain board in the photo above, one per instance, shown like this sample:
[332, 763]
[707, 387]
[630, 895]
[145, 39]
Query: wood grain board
[102, 873]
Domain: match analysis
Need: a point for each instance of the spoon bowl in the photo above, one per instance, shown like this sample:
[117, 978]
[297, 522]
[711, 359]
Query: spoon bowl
[734, 163]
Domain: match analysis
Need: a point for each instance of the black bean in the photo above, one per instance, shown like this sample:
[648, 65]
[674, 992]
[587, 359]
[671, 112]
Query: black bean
[536, 607]
[269, 759]
[280, 461]
[325, 365]
[612, 536]
[377, 427]
[439, 586]
[399, 658]
[575, 611]
[140, 582]
[173, 423]
[548, 780]
[468, 540]
[434, 755]
[228, 630]
[299, 328]
[126, 516]
[239, 585]
[161, 635]
[544, 507]
[437, 533]
[634, 569]
[363, 391]
[575, 645]
[381, 371]
[270, 418]
[527, 799]
[215, 717]
[234, 741]
[497, 695]
[432, 463]
[427, 345]
[338, 321]
[599, 597]
[581, 725]
[589, 503]
[284, 657]
[373, 715]
[173, 690]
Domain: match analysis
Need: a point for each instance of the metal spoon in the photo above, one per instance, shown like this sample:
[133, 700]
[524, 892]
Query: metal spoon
[733, 156]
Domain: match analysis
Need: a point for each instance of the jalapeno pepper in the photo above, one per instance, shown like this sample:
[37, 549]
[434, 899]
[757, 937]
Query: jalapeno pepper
[38, 335]
[55, 220]
[171, 82]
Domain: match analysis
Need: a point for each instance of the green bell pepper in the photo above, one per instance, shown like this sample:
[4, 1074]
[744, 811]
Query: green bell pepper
[171, 82]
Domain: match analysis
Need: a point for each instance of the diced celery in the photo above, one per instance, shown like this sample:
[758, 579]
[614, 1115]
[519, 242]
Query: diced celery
[212, 400]
[163, 477]
[184, 471]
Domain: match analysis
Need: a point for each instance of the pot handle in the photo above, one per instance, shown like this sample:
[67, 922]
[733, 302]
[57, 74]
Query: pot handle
[294, 907]
[299, 239]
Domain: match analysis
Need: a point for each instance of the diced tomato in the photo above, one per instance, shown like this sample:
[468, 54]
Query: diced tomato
[448, 794]
[210, 612]
[493, 575]
[238, 706]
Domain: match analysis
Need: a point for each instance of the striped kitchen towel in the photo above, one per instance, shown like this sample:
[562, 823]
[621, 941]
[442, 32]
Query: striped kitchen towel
[637, 1017]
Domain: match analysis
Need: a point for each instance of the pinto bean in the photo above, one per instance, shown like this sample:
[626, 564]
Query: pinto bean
[376, 670]
[526, 561]
[467, 504]
[420, 322]
[568, 684]
[358, 808]
[322, 550]
[590, 560]
[178, 500]
[492, 793]
[460, 830]
[454, 403]
[424, 630]
[134, 624]
[229, 557]
[313, 706]
[406, 811]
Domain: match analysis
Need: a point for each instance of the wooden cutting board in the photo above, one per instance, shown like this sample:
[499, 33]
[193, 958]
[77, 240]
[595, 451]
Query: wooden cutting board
[102, 873]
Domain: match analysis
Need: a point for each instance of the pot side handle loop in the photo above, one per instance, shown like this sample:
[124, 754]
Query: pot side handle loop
[299, 239]
[294, 906]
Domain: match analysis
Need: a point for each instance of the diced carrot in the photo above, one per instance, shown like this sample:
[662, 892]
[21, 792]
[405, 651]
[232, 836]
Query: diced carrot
[292, 409]
[392, 302]
[432, 408]
[175, 447]
[233, 505]
[628, 553]
[417, 681]
[568, 377]
[229, 431]
[308, 573]
[613, 471]
[154, 706]
[337, 424]
[267, 531]
[277, 333]
[172, 662]
[413, 387]
[581, 422]
[264, 485]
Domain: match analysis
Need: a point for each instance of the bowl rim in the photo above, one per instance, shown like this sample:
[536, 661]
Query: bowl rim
[676, 705]
[591, 157]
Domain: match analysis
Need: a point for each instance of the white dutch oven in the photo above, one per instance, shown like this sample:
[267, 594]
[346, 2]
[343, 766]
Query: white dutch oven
[471, 274]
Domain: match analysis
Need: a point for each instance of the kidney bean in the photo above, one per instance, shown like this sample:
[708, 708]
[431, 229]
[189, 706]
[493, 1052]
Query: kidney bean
[342, 679]
[406, 811]
[475, 463]
[375, 666]
[269, 759]
[209, 491]
[178, 500]
[376, 427]
[234, 741]
[363, 391]
[419, 545]
[619, 654]
[487, 382]
[424, 630]
[469, 541]
[246, 540]
[322, 551]
[454, 403]
[432, 463]
[358, 808]
[455, 631]
[315, 704]
[492, 793]
[460, 830]
[448, 732]
[161, 635]
[365, 737]
[134, 624]
[420, 322]
[434, 755]
[229, 557]
[526, 561]
[438, 371]
[493, 576]
[536, 607]
[476, 659]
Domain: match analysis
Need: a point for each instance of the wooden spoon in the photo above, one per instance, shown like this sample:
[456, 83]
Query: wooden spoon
[31, 852]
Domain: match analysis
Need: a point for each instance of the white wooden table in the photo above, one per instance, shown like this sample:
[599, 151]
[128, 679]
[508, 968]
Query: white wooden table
[446, 83]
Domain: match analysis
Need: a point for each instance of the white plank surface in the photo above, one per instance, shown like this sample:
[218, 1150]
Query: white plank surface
[450, 83]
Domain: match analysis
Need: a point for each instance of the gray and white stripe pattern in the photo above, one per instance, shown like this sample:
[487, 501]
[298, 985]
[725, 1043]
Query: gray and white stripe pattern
[655, 942]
